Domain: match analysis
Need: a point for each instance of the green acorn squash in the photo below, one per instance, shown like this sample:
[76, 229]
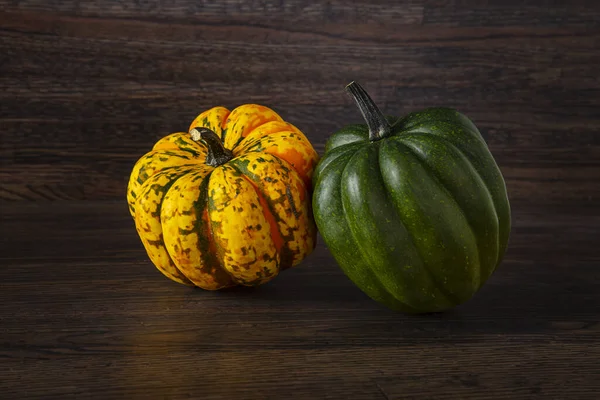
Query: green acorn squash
[413, 209]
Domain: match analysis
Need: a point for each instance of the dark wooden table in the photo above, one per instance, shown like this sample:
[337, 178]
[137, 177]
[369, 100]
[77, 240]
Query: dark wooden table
[85, 314]
[87, 87]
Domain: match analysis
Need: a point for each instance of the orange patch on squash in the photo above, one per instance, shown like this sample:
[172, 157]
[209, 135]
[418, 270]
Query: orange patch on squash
[275, 234]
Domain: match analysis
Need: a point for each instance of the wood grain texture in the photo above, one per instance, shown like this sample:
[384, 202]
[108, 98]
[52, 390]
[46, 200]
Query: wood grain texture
[87, 87]
[84, 314]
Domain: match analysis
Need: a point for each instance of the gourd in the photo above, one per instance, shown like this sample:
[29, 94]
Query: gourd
[228, 202]
[413, 209]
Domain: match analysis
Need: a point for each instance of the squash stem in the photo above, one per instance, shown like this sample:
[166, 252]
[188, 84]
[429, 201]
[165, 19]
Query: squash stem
[378, 125]
[217, 153]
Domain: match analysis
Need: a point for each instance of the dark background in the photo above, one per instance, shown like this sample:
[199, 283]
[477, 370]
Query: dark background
[86, 88]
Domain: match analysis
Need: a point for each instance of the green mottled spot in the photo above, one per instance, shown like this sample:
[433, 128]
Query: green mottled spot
[185, 232]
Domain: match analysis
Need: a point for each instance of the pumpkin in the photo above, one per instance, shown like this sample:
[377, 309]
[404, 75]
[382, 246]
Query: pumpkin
[228, 202]
[413, 209]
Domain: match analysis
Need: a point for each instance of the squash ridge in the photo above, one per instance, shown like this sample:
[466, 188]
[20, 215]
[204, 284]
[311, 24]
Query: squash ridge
[449, 296]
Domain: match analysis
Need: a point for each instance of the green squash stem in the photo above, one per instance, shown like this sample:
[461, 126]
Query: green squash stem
[217, 153]
[378, 125]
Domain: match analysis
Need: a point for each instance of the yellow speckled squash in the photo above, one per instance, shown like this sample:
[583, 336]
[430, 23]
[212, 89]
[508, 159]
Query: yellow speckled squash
[228, 202]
